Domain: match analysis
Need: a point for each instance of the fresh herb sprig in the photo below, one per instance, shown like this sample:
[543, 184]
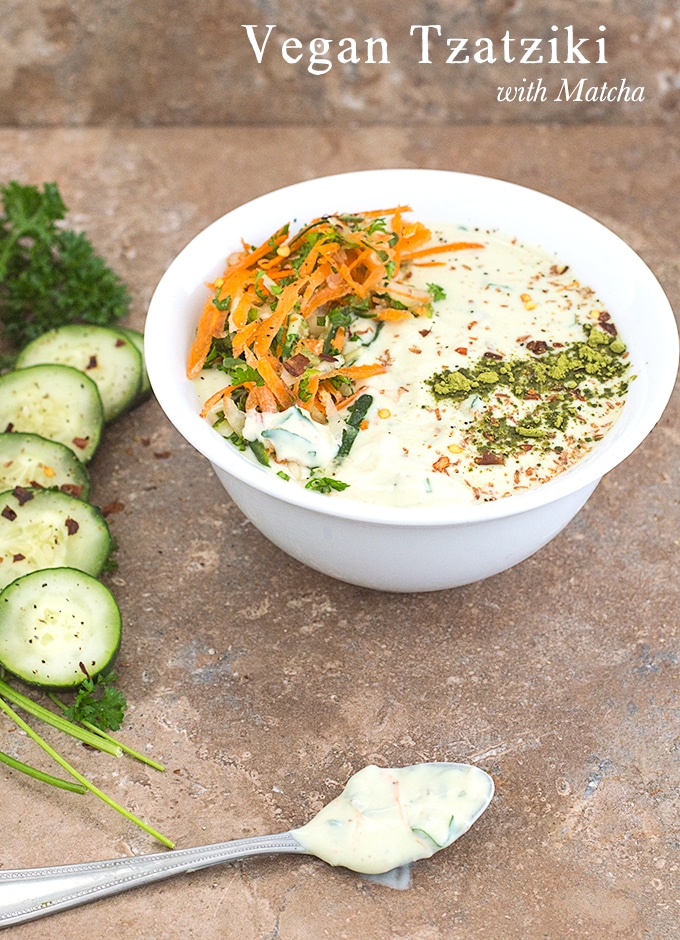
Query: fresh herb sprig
[50, 275]
[98, 702]
[97, 706]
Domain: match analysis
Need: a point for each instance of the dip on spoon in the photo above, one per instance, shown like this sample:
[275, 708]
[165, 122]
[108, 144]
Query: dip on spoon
[384, 819]
[387, 817]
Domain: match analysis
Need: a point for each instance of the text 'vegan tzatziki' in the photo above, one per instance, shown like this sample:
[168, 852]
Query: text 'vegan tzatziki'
[510, 372]
[387, 817]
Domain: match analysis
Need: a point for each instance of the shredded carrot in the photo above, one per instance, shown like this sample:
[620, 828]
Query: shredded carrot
[436, 249]
[286, 315]
[215, 399]
[274, 382]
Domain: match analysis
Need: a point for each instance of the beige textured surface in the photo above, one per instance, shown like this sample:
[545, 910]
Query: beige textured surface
[263, 685]
[159, 62]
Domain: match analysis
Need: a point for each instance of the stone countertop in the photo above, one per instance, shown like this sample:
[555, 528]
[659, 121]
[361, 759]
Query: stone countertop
[262, 685]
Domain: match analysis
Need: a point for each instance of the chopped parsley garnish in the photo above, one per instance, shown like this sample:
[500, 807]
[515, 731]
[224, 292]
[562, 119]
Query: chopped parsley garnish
[325, 485]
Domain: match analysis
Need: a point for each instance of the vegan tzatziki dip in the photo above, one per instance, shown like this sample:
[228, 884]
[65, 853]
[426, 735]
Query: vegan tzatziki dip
[388, 817]
[372, 358]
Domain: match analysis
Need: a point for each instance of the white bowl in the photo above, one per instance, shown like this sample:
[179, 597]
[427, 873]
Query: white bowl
[416, 549]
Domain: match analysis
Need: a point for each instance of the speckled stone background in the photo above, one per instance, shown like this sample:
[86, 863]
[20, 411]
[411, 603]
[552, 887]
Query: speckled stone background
[158, 62]
[261, 685]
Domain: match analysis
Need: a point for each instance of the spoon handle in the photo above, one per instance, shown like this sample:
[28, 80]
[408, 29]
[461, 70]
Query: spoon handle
[29, 893]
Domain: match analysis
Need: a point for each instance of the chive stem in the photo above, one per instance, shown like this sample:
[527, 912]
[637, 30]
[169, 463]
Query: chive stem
[61, 724]
[41, 774]
[80, 778]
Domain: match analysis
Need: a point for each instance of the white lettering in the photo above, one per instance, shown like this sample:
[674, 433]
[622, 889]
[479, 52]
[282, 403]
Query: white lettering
[371, 43]
[350, 54]
[319, 48]
[506, 40]
[569, 94]
[533, 91]
[425, 41]
[604, 92]
[291, 44]
[485, 51]
[573, 54]
[600, 45]
[533, 45]
[259, 51]
[460, 46]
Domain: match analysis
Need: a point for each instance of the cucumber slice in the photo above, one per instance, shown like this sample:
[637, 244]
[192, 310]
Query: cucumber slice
[31, 460]
[105, 355]
[57, 402]
[49, 529]
[58, 627]
[137, 340]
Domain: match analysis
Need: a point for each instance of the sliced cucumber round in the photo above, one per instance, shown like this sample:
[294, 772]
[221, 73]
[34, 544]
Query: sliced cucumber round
[50, 529]
[31, 460]
[57, 627]
[137, 339]
[105, 355]
[58, 402]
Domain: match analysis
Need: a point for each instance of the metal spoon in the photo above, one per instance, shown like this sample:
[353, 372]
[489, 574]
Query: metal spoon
[33, 892]
[29, 893]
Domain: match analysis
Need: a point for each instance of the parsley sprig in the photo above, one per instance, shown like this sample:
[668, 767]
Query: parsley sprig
[49, 274]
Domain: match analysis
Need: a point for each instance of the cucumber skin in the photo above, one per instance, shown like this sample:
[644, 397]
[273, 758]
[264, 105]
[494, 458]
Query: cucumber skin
[137, 339]
[71, 506]
[27, 443]
[73, 336]
[53, 574]
[53, 372]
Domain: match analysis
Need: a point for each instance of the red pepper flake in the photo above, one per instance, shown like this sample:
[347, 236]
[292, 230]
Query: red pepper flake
[112, 508]
[9, 428]
[461, 350]
[8, 513]
[537, 347]
[488, 458]
[492, 355]
[92, 364]
[81, 442]
[162, 455]
[18, 557]
[442, 464]
[120, 342]
[22, 495]
[71, 526]
[71, 489]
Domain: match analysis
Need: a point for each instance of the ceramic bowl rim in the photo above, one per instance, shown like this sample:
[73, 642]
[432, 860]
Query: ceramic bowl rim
[175, 402]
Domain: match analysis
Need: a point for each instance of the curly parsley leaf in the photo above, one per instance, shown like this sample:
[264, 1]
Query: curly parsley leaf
[49, 274]
[436, 292]
[99, 703]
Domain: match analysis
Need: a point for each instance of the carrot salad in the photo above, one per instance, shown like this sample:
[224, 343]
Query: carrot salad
[287, 320]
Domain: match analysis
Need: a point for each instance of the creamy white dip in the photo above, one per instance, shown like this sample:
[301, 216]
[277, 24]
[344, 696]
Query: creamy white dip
[385, 818]
[415, 450]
